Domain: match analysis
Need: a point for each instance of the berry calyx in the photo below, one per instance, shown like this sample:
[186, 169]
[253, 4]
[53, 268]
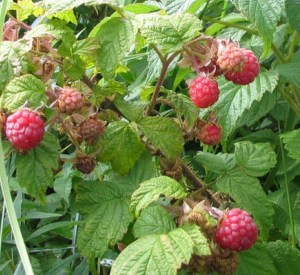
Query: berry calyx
[24, 129]
[70, 101]
[85, 165]
[231, 59]
[90, 129]
[210, 134]
[204, 91]
[249, 72]
[236, 231]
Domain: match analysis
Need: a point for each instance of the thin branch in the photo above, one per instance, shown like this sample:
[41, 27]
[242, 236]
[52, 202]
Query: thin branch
[160, 82]
[198, 183]
[88, 81]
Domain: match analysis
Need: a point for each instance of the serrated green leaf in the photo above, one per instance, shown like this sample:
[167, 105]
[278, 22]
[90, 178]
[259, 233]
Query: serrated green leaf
[219, 163]
[85, 46]
[255, 159]
[54, 27]
[20, 90]
[258, 110]
[120, 145]
[288, 70]
[249, 195]
[26, 8]
[292, 144]
[153, 220]
[155, 254]
[201, 247]
[265, 15]
[256, 261]
[292, 10]
[6, 71]
[116, 37]
[169, 31]
[132, 110]
[184, 107]
[105, 207]
[150, 190]
[54, 6]
[67, 16]
[74, 67]
[160, 131]
[234, 100]
[286, 258]
[34, 168]
[144, 169]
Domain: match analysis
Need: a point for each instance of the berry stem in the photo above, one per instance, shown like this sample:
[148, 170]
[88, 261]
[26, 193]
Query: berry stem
[12, 216]
[159, 83]
[198, 183]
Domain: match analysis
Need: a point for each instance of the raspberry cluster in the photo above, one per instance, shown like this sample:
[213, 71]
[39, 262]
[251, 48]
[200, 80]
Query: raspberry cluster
[70, 101]
[229, 232]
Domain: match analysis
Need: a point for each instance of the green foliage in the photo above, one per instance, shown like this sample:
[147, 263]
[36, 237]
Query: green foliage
[106, 211]
[34, 167]
[121, 146]
[150, 191]
[291, 143]
[23, 89]
[161, 131]
[153, 220]
[151, 182]
[163, 253]
[177, 29]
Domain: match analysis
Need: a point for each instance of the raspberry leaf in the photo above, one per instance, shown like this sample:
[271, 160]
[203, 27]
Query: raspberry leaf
[106, 213]
[286, 258]
[265, 15]
[292, 8]
[248, 193]
[120, 145]
[219, 163]
[116, 37]
[163, 253]
[291, 143]
[150, 190]
[184, 107]
[256, 261]
[34, 169]
[288, 70]
[234, 100]
[153, 220]
[169, 31]
[20, 90]
[162, 130]
[255, 159]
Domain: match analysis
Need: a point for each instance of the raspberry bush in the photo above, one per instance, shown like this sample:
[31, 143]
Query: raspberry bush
[149, 137]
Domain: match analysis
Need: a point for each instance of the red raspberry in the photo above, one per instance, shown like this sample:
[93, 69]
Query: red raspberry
[210, 134]
[70, 101]
[249, 72]
[236, 230]
[24, 129]
[204, 91]
[90, 129]
[231, 59]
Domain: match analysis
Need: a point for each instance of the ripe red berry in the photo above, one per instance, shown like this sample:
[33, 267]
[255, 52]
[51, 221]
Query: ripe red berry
[204, 91]
[70, 101]
[210, 134]
[236, 230]
[231, 59]
[24, 129]
[249, 72]
[90, 129]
